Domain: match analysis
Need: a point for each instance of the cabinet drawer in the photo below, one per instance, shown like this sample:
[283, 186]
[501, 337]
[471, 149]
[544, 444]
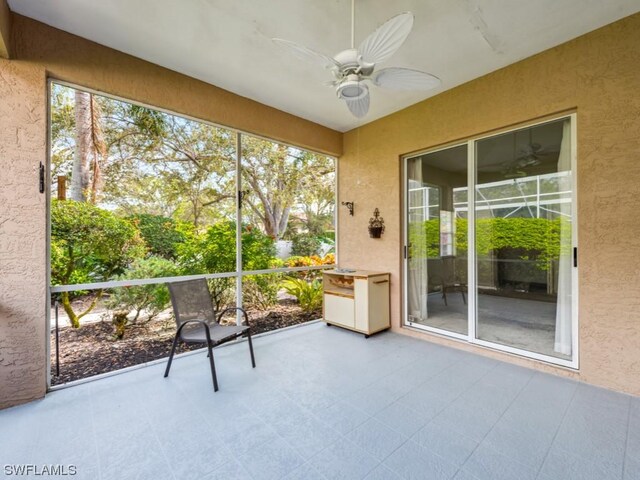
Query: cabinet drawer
[339, 310]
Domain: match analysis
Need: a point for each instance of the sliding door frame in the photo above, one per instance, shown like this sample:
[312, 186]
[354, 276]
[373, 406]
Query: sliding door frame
[472, 316]
[405, 232]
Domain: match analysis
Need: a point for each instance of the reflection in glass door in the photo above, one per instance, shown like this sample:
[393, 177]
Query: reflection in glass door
[437, 255]
[523, 218]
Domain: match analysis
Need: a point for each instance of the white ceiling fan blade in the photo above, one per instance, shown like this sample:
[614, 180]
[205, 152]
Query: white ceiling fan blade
[359, 107]
[405, 79]
[303, 53]
[388, 38]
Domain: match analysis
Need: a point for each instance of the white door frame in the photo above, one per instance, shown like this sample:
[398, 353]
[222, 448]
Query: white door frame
[472, 317]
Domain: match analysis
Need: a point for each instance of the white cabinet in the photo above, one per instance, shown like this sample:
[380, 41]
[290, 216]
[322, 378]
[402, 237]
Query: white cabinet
[357, 300]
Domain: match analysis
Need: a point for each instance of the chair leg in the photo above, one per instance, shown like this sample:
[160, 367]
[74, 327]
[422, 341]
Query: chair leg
[213, 368]
[173, 349]
[253, 359]
[464, 298]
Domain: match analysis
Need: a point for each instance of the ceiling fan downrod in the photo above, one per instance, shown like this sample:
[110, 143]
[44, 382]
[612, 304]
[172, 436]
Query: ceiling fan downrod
[353, 23]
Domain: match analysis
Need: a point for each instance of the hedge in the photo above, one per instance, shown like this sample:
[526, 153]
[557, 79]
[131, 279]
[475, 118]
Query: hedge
[535, 239]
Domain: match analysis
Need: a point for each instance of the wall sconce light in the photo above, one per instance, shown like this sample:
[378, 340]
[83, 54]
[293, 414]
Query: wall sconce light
[349, 206]
[376, 225]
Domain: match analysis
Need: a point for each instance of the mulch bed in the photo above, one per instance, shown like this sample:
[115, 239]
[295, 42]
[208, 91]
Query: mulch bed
[93, 349]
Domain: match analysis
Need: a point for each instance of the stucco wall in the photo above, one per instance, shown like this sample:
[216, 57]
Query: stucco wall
[22, 233]
[598, 75]
[38, 52]
[71, 58]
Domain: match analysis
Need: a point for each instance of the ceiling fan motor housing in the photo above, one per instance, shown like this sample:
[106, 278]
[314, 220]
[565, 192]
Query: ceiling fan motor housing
[351, 88]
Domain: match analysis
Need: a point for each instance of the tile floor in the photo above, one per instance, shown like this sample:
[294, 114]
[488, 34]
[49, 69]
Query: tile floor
[325, 403]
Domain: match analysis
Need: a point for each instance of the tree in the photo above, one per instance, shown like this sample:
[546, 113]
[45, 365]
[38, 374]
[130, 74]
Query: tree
[89, 244]
[89, 151]
[63, 126]
[316, 200]
[165, 165]
[280, 178]
[170, 166]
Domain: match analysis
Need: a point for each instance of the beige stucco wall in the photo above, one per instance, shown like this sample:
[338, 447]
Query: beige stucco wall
[598, 75]
[39, 52]
[22, 233]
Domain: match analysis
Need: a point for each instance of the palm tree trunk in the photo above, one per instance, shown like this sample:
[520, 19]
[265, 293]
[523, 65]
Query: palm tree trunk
[90, 149]
[80, 175]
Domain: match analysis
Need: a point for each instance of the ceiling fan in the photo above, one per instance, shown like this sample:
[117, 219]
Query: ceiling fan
[533, 153]
[353, 68]
[530, 154]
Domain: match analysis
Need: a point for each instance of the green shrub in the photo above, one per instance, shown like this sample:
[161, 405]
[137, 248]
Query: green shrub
[214, 251]
[305, 245]
[308, 294]
[261, 291]
[161, 234]
[89, 244]
[152, 298]
[312, 261]
[530, 238]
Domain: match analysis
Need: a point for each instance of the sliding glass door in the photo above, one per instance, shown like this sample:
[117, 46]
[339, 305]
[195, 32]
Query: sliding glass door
[498, 267]
[523, 213]
[437, 255]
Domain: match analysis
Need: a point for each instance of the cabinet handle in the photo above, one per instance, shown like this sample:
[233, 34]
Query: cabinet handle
[381, 281]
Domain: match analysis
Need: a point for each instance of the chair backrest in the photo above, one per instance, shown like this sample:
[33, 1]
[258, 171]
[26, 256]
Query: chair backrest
[191, 300]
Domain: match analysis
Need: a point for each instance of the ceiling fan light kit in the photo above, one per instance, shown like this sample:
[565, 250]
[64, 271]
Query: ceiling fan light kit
[354, 67]
[352, 89]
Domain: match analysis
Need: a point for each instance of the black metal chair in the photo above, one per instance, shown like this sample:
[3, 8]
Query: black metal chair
[197, 322]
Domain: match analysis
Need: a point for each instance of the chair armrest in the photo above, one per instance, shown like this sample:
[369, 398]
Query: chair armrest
[229, 309]
[201, 322]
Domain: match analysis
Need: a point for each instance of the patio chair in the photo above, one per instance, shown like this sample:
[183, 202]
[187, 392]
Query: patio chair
[450, 280]
[197, 322]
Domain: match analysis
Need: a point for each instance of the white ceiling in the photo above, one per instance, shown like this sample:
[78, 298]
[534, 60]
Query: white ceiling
[227, 42]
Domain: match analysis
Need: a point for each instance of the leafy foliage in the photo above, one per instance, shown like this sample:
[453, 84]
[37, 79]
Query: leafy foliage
[530, 238]
[152, 298]
[160, 234]
[214, 251]
[308, 294]
[304, 244]
[312, 261]
[261, 291]
[89, 244]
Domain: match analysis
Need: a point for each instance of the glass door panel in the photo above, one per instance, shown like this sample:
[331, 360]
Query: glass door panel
[437, 232]
[523, 218]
